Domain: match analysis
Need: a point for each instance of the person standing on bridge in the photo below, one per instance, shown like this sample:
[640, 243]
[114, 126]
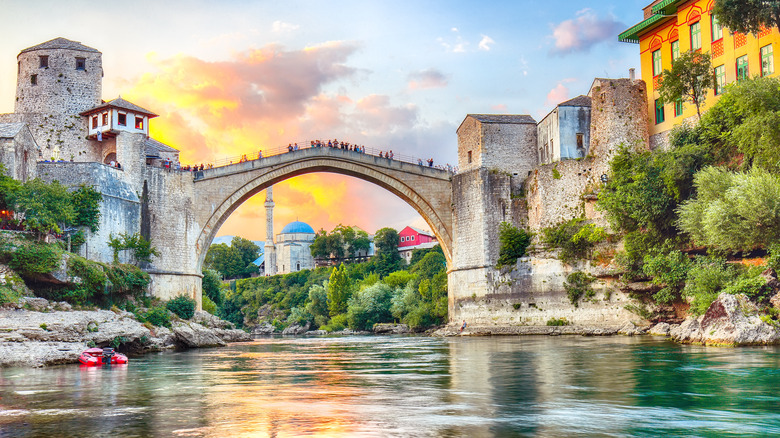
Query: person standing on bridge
[390, 154]
[295, 148]
[430, 162]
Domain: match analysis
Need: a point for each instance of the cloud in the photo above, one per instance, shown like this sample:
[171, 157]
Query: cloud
[428, 78]
[484, 43]
[560, 93]
[281, 26]
[502, 108]
[583, 32]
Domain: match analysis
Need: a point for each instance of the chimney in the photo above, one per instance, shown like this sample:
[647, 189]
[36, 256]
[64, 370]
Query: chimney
[632, 74]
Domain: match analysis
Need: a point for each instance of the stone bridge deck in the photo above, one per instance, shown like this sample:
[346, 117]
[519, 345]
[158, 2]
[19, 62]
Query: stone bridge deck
[220, 190]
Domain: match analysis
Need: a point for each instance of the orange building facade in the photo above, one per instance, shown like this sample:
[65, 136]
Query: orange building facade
[671, 27]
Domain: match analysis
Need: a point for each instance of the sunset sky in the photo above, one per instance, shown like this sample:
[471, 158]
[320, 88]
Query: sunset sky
[230, 77]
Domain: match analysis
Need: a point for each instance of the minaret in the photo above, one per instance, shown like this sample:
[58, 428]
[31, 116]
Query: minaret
[270, 248]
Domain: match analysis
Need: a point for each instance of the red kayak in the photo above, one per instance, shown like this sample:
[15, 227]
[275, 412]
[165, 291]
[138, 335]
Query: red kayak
[102, 356]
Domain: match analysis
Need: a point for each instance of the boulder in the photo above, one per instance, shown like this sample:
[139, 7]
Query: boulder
[660, 329]
[208, 320]
[629, 329]
[317, 332]
[297, 329]
[730, 320]
[264, 329]
[194, 335]
[394, 329]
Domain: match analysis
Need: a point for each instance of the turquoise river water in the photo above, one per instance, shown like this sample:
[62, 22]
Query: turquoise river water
[407, 386]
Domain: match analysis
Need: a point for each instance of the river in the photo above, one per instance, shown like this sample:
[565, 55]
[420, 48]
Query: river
[407, 386]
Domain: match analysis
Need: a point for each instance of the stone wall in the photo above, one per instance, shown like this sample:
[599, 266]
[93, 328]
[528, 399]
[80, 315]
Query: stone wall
[120, 210]
[19, 153]
[555, 192]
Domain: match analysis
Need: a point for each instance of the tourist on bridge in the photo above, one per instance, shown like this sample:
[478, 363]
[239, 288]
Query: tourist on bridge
[259, 154]
[295, 148]
[390, 154]
[430, 162]
[419, 162]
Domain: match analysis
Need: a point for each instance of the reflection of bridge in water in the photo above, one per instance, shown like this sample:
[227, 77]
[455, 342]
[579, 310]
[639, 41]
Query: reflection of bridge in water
[222, 189]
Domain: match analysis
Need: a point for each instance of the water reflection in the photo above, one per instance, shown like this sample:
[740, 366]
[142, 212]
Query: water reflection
[406, 386]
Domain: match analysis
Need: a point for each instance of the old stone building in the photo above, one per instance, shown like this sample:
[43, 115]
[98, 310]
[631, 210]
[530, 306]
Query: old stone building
[18, 151]
[564, 134]
[293, 245]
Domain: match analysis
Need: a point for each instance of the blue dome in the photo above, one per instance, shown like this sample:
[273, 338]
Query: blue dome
[297, 227]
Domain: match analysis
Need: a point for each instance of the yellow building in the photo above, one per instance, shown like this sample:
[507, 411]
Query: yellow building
[671, 27]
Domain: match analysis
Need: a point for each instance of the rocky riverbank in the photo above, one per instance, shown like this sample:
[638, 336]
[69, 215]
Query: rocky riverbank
[731, 320]
[36, 332]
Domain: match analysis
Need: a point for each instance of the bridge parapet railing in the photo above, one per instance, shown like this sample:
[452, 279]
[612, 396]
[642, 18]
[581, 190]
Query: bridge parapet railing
[270, 152]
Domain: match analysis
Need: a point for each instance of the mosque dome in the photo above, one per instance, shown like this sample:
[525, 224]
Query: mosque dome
[297, 227]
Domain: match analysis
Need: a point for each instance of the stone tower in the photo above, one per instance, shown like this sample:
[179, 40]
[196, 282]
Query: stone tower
[56, 81]
[270, 248]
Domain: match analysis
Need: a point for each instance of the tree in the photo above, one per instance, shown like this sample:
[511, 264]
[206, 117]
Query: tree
[212, 286]
[514, 242]
[387, 258]
[339, 291]
[86, 203]
[249, 252]
[747, 16]
[224, 259]
[142, 249]
[689, 79]
[43, 207]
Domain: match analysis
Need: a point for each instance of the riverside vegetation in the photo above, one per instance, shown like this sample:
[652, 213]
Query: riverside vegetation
[697, 219]
[354, 295]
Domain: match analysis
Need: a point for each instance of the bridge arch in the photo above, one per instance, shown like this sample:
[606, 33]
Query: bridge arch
[427, 190]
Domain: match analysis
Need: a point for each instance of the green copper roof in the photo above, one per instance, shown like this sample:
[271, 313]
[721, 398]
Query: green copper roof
[666, 7]
[632, 35]
[662, 10]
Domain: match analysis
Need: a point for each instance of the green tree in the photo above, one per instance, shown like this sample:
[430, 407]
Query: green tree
[339, 291]
[212, 286]
[513, 243]
[86, 203]
[387, 259]
[141, 249]
[224, 259]
[689, 79]
[43, 207]
[370, 306]
[249, 252]
[733, 211]
[747, 16]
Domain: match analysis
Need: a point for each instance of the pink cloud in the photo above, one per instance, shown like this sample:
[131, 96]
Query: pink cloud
[499, 108]
[583, 32]
[557, 95]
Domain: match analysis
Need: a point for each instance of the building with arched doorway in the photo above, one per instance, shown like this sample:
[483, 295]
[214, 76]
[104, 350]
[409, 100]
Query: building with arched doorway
[293, 251]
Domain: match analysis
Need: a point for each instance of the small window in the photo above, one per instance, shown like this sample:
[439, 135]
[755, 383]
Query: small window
[767, 61]
[675, 50]
[717, 29]
[121, 119]
[659, 111]
[469, 153]
[105, 119]
[742, 67]
[139, 123]
[678, 107]
[580, 140]
[94, 122]
[34, 79]
[44, 61]
[696, 36]
[657, 63]
[81, 63]
[720, 79]
[412, 237]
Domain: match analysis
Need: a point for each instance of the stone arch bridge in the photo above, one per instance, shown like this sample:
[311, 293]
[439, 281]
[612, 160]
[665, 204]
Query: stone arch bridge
[219, 191]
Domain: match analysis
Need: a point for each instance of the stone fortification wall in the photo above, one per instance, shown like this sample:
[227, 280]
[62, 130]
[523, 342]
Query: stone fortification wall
[533, 294]
[19, 153]
[554, 192]
[168, 205]
[504, 143]
[120, 210]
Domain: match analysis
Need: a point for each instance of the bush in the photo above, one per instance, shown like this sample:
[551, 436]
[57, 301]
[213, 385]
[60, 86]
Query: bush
[370, 306]
[182, 306]
[514, 242]
[705, 279]
[337, 323]
[754, 287]
[574, 238]
[557, 322]
[578, 284]
[773, 260]
[158, 316]
[670, 271]
[35, 258]
[8, 295]
[208, 305]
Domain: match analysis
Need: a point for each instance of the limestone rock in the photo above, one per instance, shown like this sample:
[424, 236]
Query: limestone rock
[208, 320]
[296, 329]
[383, 328]
[264, 329]
[33, 303]
[232, 335]
[660, 329]
[629, 329]
[317, 332]
[192, 334]
[38, 354]
[730, 320]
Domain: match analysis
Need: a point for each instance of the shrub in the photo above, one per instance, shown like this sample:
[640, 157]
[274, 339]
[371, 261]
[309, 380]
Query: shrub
[754, 288]
[578, 284]
[556, 322]
[35, 258]
[338, 322]
[208, 305]
[158, 316]
[670, 271]
[370, 306]
[705, 279]
[514, 243]
[773, 260]
[182, 306]
[574, 238]
[300, 316]
[8, 295]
